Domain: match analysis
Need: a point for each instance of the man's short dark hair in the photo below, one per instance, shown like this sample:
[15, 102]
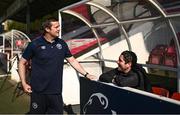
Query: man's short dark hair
[129, 56]
[47, 23]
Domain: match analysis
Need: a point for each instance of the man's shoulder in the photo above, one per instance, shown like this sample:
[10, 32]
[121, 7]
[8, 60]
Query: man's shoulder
[112, 71]
[60, 40]
[39, 38]
[37, 41]
[108, 75]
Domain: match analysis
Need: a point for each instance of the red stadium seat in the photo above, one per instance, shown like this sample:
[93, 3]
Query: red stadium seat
[160, 91]
[176, 96]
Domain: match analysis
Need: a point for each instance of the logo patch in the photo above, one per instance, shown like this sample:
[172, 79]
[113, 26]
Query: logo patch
[58, 46]
[43, 47]
[101, 102]
[34, 105]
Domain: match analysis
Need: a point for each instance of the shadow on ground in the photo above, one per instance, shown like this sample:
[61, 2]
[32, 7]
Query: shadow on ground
[14, 101]
[10, 102]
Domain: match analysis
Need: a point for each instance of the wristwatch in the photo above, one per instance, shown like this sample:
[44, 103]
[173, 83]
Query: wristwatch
[86, 74]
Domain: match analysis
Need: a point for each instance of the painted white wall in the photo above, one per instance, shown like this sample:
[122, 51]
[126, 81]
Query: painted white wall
[138, 46]
[14, 70]
[112, 52]
[71, 86]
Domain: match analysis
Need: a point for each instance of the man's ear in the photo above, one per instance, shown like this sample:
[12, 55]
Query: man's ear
[47, 29]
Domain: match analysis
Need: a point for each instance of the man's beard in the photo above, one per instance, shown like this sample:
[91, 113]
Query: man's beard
[120, 68]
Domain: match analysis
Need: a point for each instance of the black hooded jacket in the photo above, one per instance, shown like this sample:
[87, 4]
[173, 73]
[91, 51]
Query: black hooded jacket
[136, 78]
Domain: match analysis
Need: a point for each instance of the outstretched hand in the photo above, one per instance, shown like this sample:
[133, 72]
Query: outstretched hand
[92, 77]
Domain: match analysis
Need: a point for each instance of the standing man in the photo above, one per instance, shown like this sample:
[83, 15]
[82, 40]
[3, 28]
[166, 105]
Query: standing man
[47, 54]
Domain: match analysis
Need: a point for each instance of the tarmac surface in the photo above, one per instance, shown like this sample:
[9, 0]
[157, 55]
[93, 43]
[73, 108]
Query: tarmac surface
[14, 101]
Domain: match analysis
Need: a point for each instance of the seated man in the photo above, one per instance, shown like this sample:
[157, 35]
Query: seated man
[128, 73]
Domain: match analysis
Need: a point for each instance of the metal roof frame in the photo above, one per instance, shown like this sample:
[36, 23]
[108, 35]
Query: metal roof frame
[165, 16]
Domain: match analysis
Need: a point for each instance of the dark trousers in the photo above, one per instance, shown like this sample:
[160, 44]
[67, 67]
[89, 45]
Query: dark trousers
[46, 104]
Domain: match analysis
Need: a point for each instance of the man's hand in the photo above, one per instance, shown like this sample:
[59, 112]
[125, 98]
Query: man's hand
[27, 88]
[92, 77]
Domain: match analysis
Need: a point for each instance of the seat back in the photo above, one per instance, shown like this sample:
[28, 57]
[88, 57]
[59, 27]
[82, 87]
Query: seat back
[176, 96]
[160, 91]
[144, 82]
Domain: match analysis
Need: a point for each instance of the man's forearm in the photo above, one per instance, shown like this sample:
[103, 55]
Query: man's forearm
[77, 66]
[22, 72]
